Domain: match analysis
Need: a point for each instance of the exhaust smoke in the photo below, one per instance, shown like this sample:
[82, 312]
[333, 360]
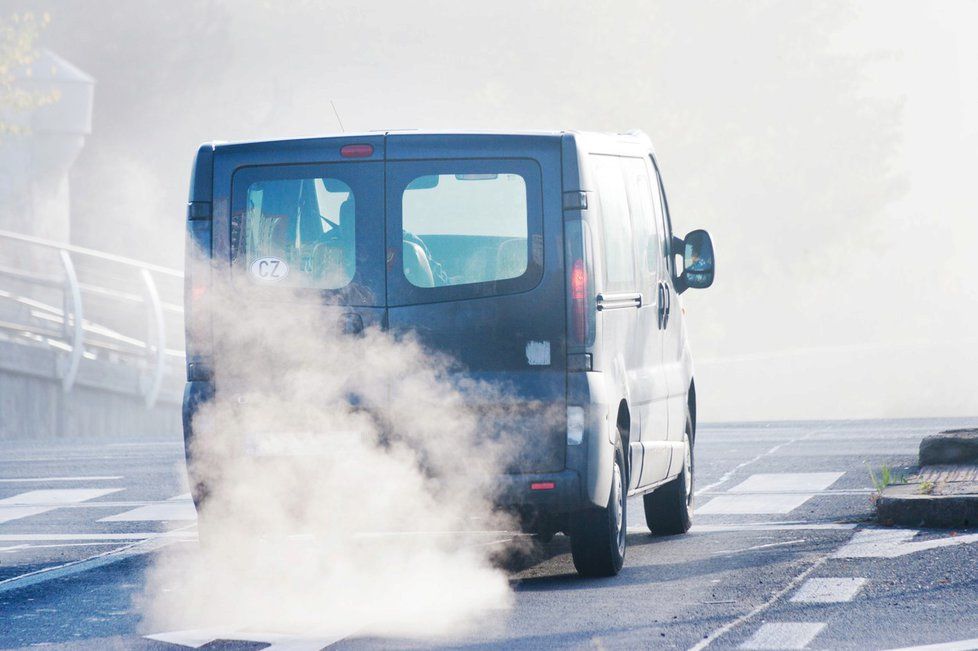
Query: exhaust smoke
[340, 470]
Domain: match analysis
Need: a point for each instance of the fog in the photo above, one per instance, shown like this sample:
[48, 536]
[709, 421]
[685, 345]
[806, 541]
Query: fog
[830, 148]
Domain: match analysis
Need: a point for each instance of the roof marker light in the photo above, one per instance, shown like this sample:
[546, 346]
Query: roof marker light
[356, 151]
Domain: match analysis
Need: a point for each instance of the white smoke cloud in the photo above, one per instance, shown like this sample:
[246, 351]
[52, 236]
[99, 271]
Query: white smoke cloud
[341, 469]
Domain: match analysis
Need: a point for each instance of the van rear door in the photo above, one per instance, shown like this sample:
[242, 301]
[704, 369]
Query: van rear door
[475, 269]
[305, 224]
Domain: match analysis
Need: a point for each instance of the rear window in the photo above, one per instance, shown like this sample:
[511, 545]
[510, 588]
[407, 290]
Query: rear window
[301, 232]
[462, 229]
[312, 229]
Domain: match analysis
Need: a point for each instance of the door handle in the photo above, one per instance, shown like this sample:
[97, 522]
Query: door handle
[661, 305]
[668, 296]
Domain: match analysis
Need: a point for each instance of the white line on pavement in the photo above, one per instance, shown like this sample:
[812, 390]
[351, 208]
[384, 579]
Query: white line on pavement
[39, 480]
[786, 635]
[41, 501]
[890, 543]
[729, 626]
[829, 590]
[760, 526]
[760, 493]
[85, 564]
[960, 645]
[182, 533]
[180, 507]
[197, 638]
[756, 547]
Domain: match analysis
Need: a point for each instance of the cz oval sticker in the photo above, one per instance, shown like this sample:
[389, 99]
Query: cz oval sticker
[269, 269]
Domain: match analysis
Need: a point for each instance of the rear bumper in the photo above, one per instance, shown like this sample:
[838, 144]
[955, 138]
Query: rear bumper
[516, 492]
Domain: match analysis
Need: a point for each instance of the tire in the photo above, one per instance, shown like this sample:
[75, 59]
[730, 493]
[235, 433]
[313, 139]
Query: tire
[598, 534]
[669, 508]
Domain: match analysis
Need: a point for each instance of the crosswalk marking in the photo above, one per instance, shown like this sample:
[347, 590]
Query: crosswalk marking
[829, 590]
[770, 493]
[277, 641]
[180, 507]
[786, 635]
[36, 502]
[891, 543]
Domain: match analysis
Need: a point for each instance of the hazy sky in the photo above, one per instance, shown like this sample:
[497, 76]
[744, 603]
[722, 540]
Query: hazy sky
[829, 147]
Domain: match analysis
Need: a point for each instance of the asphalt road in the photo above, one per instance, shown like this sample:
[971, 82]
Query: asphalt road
[783, 554]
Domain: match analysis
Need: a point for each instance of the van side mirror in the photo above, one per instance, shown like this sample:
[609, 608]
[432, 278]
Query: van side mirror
[699, 263]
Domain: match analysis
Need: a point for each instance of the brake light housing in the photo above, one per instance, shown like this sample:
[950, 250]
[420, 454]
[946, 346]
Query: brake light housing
[580, 286]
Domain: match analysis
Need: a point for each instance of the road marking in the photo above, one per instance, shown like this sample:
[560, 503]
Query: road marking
[960, 645]
[829, 590]
[180, 507]
[39, 480]
[197, 638]
[75, 567]
[36, 502]
[733, 471]
[55, 537]
[827, 492]
[762, 493]
[756, 547]
[757, 526]
[787, 635]
[891, 543]
[56, 545]
[729, 626]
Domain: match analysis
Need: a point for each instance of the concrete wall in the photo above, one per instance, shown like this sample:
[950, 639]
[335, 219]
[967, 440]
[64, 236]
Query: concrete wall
[106, 401]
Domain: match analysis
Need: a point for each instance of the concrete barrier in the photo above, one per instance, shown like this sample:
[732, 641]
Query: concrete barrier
[107, 400]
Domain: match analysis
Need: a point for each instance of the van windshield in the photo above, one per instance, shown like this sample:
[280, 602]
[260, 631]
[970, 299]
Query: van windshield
[461, 229]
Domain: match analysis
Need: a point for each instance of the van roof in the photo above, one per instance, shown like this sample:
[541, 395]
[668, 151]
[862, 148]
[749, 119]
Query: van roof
[632, 137]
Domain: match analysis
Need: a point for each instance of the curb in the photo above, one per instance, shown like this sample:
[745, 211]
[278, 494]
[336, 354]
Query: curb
[898, 505]
[955, 446]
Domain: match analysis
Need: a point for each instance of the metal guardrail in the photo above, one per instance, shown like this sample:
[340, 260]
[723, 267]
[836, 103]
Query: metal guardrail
[100, 296]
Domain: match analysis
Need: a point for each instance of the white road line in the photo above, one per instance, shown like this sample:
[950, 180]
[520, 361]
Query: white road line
[760, 493]
[891, 543]
[83, 565]
[36, 502]
[756, 547]
[733, 471]
[787, 481]
[960, 645]
[759, 526]
[197, 638]
[829, 590]
[729, 626]
[55, 537]
[786, 635]
[180, 507]
[40, 480]
[58, 545]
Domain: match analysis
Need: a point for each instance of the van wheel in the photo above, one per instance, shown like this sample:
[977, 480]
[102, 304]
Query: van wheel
[598, 535]
[669, 508]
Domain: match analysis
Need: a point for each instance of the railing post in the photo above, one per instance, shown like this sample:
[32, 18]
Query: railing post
[77, 315]
[156, 333]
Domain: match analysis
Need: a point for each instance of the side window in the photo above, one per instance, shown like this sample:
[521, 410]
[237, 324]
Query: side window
[462, 229]
[646, 238]
[665, 225]
[616, 229]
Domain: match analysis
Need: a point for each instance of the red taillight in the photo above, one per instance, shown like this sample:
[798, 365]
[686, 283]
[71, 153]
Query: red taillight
[579, 302]
[543, 486]
[356, 151]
